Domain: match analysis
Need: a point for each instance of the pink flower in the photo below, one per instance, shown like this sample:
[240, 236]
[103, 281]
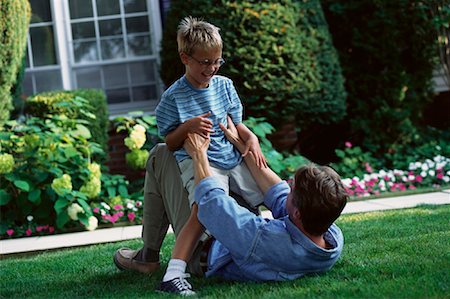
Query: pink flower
[348, 144]
[419, 178]
[96, 210]
[51, 229]
[138, 204]
[10, 232]
[28, 232]
[131, 216]
[118, 207]
[39, 229]
[368, 167]
[411, 187]
[440, 175]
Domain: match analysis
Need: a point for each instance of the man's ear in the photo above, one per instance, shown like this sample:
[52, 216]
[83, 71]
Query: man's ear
[297, 214]
[184, 58]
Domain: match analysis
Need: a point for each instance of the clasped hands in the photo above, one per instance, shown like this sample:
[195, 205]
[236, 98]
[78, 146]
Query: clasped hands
[195, 144]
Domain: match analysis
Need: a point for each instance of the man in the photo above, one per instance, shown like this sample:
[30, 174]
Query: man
[302, 238]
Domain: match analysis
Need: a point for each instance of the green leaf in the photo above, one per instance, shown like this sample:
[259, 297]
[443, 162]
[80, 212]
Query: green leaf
[83, 219]
[111, 191]
[123, 191]
[60, 205]
[61, 219]
[34, 196]
[23, 185]
[70, 152]
[5, 197]
[85, 206]
[81, 131]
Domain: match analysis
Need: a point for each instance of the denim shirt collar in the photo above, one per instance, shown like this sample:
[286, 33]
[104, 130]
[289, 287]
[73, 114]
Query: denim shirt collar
[306, 242]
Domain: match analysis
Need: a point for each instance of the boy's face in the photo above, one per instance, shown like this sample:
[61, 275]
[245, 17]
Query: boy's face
[201, 66]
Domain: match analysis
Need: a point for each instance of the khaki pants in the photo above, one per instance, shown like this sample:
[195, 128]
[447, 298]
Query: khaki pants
[166, 202]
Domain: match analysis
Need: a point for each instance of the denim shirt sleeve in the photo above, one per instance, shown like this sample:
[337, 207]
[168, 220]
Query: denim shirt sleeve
[234, 226]
[275, 199]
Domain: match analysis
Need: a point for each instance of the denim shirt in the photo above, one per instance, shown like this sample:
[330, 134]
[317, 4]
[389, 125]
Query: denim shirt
[251, 248]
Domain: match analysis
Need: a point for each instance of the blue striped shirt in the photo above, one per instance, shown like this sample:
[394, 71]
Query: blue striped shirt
[181, 101]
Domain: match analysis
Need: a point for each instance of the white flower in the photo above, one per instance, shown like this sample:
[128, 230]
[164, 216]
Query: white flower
[446, 179]
[423, 174]
[93, 223]
[346, 182]
[424, 167]
[73, 211]
[105, 205]
[431, 172]
[30, 218]
[411, 177]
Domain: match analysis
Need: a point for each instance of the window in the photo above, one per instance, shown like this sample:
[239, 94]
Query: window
[107, 44]
[42, 68]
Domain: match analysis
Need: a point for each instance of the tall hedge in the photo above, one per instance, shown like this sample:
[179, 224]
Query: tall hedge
[387, 51]
[278, 53]
[14, 21]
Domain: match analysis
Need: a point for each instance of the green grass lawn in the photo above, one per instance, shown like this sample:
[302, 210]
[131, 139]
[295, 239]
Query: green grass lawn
[390, 254]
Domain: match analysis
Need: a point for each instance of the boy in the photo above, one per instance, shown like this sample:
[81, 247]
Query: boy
[197, 103]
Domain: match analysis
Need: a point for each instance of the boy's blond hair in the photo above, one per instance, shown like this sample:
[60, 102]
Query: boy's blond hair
[194, 33]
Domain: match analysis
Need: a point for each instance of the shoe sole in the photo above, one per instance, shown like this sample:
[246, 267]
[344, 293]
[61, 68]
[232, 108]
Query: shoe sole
[118, 265]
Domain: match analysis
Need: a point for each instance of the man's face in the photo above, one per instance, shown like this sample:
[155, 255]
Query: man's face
[201, 66]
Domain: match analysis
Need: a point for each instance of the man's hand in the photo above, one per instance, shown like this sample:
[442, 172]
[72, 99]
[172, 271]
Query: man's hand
[201, 125]
[195, 144]
[252, 145]
[232, 135]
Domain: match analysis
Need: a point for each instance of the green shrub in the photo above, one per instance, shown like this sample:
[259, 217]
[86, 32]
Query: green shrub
[51, 171]
[387, 51]
[14, 21]
[279, 55]
[47, 103]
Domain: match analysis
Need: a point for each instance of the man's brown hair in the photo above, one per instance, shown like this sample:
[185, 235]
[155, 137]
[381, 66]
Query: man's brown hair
[320, 197]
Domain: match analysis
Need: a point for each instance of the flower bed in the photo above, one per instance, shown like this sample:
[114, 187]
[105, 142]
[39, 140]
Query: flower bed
[429, 173]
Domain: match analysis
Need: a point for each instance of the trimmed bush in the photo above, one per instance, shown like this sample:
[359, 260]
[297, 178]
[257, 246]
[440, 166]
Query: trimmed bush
[14, 21]
[387, 51]
[279, 55]
[47, 103]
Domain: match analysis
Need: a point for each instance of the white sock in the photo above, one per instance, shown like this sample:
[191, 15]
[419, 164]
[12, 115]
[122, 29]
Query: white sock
[175, 269]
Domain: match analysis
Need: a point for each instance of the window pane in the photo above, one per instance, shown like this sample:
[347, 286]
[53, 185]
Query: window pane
[42, 46]
[27, 60]
[115, 75]
[112, 48]
[142, 72]
[108, 7]
[48, 80]
[40, 11]
[85, 51]
[135, 6]
[118, 95]
[139, 46]
[144, 93]
[110, 27]
[83, 30]
[88, 78]
[27, 85]
[137, 24]
[80, 9]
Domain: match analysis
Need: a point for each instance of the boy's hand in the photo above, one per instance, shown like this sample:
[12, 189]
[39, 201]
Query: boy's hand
[201, 125]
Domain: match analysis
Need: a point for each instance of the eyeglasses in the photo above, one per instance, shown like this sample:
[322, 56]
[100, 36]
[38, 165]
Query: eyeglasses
[207, 62]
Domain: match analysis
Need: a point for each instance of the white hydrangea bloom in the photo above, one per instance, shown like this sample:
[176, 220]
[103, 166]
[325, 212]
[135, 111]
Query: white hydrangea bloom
[93, 223]
[73, 211]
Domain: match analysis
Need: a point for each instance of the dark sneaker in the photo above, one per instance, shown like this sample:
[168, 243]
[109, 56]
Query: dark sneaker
[178, 286]
[125, 259]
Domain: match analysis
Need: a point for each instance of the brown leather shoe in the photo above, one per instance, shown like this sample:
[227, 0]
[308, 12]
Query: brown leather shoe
[124, 260]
